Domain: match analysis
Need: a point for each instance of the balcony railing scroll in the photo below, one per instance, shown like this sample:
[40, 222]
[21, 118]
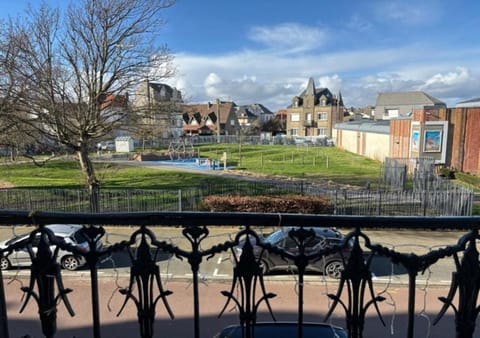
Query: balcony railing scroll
[147, 292]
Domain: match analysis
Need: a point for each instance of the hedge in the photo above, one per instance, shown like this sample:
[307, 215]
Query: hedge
[269, 204]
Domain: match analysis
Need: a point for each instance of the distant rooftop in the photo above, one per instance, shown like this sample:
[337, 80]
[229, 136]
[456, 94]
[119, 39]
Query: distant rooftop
[409, 98]
[377, 126]
[469, 103]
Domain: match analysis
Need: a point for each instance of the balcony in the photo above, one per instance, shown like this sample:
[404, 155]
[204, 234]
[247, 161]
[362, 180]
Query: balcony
[154, 274]
[309, 123]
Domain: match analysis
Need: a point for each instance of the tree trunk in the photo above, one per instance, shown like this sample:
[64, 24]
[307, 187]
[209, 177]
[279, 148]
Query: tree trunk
[92, 183]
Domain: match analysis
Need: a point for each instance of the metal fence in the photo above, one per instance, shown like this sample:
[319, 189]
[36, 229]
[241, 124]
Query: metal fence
[352, 296]
[455, 201]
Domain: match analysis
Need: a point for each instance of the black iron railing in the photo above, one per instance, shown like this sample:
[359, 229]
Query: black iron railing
[355, 292]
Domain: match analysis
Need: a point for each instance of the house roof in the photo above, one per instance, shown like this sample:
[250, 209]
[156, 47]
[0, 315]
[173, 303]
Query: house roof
[113, 100]
[163, 92]
[469, 103]
[371, 126]
[318, 93]
[407, 98]
[205, 109]
[243, 111]
[252, 111]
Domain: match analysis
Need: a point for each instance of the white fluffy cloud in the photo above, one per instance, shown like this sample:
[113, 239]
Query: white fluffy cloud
[273, 77]
[289, 37]
[409, 12]
[333, 83]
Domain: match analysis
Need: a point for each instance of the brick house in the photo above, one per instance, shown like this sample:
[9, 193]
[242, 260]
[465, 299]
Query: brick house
[210, 119]
[314, 112]
[159, 108]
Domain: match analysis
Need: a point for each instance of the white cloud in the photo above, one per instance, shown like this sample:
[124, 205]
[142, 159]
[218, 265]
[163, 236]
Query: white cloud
[333, 83]
[411, 12]
[449, 79]
[289, 37]
[359, 24]
[272, 78]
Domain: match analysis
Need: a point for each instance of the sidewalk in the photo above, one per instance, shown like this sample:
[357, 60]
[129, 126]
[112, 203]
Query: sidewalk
[284, 306]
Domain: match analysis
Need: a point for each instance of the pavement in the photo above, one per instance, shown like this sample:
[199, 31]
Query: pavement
[284, 305]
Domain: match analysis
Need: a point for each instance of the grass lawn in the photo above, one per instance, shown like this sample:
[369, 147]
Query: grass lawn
[298, 161]
[311, 163]
[303, 162]
[67, 174]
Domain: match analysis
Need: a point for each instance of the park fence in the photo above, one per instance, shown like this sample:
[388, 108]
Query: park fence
[451, 202]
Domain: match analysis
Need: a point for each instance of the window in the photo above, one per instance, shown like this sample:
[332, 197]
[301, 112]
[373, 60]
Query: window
[322, 132]
[294, 132]
[323, 116]
[232, 122]
[295, 117]
[308, 116]
[391, 112]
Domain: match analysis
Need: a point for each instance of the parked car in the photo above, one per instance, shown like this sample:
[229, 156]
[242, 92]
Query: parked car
[330, 265]
[69, 232]
[285, 330]
[106, 145]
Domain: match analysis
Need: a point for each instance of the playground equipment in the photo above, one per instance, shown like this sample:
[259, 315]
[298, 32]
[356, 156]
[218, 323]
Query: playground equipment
[181, 149]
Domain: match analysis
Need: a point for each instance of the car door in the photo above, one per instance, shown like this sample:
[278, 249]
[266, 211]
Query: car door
[288, 244]
[20, 256]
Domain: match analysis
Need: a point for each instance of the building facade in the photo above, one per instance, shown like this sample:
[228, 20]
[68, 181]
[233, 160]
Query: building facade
[314, 112]
[402, 104]
[364, 137]
[158, 108]
[210, 118]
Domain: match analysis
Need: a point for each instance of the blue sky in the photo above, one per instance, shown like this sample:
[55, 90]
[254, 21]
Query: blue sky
[264, 51]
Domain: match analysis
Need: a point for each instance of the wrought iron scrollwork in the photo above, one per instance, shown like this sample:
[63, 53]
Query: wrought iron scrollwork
[467, 281]
[45, 272]
[145, 274]
[356, 277]
[247, 274]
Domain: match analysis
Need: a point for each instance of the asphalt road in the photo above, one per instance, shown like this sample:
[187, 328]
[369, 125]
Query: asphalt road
[216, 273]
[220, 266]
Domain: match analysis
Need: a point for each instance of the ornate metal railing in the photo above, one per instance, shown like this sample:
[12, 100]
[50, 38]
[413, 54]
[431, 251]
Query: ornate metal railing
[355, 293]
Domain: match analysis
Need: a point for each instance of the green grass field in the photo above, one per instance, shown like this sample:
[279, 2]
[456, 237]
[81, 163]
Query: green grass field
[67, 174]
[298, 161]
[327, 163]
[302, 162]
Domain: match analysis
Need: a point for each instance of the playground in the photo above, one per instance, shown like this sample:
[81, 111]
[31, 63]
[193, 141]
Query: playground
[193, 163]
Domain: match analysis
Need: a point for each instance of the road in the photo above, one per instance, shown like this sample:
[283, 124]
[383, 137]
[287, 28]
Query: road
[220, 266]
[216, 276]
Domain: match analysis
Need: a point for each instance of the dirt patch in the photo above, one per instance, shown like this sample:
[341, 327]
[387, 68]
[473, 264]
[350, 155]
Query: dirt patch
[4, 185]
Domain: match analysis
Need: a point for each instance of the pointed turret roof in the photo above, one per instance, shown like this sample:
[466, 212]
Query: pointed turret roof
[310, 87]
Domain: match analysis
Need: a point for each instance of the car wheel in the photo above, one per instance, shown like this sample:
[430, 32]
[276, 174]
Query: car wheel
[5, 263]
[334, 269]
[70, 262]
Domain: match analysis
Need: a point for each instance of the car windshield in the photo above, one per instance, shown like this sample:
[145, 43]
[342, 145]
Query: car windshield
[275, 237]
[80, 237]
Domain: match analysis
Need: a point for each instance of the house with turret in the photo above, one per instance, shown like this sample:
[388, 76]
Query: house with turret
[313, 113]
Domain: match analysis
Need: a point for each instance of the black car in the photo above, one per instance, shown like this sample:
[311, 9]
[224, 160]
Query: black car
[330, 265]
[285, 330]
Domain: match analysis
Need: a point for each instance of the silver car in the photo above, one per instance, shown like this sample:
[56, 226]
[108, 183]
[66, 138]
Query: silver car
[70, 233]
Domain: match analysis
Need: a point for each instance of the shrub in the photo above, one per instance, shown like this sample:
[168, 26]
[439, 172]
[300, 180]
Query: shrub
[447, 173]
[269, 204]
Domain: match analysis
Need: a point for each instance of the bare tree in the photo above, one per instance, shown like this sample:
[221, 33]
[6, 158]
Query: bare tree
[71, 71]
